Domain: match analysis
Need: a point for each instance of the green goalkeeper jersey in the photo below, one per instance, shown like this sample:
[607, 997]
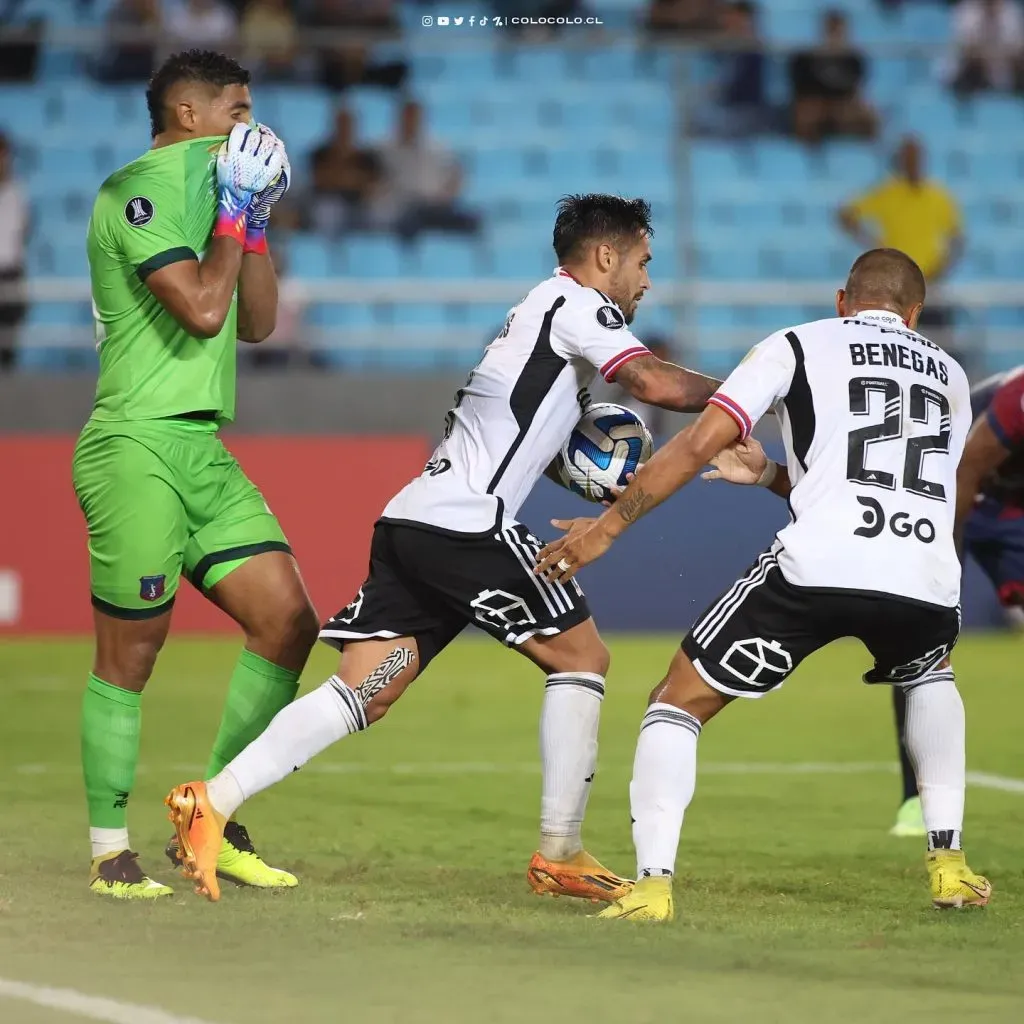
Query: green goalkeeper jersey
[157, 210]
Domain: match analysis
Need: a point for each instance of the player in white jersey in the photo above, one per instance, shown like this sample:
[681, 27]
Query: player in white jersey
[874, 419]
[449, 551]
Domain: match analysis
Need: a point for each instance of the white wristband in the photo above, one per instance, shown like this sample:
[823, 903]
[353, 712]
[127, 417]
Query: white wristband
[767, 478]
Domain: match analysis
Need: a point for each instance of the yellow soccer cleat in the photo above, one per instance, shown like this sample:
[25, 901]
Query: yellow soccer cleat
[239, 862]
[953, 883]
[583, 877]
[649, 900]
[119, 875]
[200, 832]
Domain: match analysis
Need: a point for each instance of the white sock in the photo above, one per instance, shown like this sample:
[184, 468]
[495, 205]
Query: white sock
[569, 718]
[297, 733]
[935, 737]
[664, 778]
[108, 840]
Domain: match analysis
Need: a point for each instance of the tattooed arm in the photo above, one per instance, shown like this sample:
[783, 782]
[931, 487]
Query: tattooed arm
[670, 468]
[655, 382]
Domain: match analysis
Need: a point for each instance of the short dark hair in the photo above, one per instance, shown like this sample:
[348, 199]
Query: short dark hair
[746, 8]
[206, 66]
[598, 218]
[888, 277]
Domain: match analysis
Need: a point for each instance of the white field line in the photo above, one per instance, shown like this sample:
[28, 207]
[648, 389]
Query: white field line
[983, 780]
[111, 1011]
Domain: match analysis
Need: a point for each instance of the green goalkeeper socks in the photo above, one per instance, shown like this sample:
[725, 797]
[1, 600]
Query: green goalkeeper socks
[258, 690]
[111, 723]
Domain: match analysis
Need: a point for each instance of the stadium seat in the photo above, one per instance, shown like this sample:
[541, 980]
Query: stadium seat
[373, 256]
[439, 257]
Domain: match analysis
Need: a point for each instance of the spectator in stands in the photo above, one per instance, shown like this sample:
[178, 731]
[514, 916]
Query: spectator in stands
[345, 64]
[684, 17]
[208, 24]
[423, 180]
[916, 214]
[988, 43]
[826, 83]
[14, 222]
[132, 30]
[270, 38]
[347, 182]
[738, 105]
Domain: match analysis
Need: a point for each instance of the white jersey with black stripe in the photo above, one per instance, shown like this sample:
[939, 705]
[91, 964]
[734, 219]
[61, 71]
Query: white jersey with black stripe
[517, 408]
[874, 419]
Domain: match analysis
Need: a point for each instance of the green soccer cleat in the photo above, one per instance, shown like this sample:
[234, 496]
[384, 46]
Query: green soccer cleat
[909, 820]
[118, 875]
[239, 862]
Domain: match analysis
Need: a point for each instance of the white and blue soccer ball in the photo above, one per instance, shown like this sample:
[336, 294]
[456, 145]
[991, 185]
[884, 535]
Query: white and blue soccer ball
[609, 442]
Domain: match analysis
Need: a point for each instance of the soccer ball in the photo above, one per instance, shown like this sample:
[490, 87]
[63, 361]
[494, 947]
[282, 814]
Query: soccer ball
[609, 442]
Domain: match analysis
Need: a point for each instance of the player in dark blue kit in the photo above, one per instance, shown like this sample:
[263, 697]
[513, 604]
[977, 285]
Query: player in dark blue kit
[990, 528]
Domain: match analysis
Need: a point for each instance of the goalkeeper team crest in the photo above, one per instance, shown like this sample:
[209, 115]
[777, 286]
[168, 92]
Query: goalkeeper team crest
[139, 211]
[152, 588]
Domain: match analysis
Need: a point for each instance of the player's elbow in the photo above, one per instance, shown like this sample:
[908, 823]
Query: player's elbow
[204, 323]
[253, 334]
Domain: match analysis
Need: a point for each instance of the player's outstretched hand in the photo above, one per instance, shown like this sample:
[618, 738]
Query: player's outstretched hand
[584, 541]
[617, 491]
[248, 162]
[743, 462]
[259, 209]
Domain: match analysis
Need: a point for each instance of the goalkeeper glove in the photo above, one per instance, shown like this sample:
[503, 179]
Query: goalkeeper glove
[248, 162]
[259, 208]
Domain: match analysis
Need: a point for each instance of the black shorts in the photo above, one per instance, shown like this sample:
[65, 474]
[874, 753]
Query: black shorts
[750, 639]
[431, 585]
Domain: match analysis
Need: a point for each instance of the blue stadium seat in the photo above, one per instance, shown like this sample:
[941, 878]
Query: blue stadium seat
[308, 256]
[439, 257]
[373, 256]
[376, 113]
[301, 116]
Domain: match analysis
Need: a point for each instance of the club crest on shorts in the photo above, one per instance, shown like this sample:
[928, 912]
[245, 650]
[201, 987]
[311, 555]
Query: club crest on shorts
[151, 588]
[139, 211]
[610, 317]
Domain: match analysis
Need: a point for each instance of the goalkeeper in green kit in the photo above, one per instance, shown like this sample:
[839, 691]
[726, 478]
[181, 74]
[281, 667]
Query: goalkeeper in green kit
[180, 270]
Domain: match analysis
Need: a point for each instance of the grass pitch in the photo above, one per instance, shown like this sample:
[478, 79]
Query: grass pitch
[411, 841]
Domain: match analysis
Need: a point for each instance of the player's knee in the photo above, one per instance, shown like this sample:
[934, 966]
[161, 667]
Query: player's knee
[289, 632]
[129, 664]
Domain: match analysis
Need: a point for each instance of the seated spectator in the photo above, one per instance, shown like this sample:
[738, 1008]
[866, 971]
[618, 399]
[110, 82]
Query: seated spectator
[132, 30]
[988, 43]
[826, 83]
[14, 223]
[738, 105]
[207, 24]
[423, 181]
[683, 17]
[270, 38]
[345, 64]
[346, 182]
[915, 214]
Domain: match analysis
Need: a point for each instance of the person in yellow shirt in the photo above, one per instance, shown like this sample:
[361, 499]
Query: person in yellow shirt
[914, 214]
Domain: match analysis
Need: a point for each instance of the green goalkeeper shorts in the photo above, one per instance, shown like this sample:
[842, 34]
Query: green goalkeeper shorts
[162, 497]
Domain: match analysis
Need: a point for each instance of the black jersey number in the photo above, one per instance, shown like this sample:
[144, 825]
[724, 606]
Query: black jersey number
[922, 399]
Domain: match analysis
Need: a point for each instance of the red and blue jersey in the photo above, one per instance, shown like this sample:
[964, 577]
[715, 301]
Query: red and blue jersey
[1001, 400]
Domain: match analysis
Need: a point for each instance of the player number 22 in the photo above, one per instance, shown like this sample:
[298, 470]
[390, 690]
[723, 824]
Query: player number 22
[922, 399]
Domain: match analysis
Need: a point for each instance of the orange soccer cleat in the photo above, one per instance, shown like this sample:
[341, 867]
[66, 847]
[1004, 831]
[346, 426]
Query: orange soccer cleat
[200, 832]
[583, 877]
